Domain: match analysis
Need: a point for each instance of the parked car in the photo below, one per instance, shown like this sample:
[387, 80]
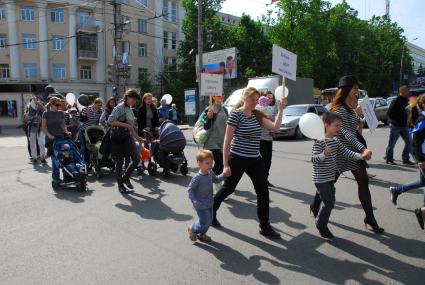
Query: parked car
[291, 118]
[380, 106]
[390, 99]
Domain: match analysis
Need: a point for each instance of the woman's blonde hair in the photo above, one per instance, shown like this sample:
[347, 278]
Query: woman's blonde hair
[97, 100]
[249, 93]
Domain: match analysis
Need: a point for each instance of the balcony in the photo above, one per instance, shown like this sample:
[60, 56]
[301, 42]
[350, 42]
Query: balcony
[87, 54]
[86, 28]
[87, 46]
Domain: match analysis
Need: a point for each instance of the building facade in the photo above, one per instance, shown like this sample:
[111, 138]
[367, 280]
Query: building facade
[70, 44]
[418, 56]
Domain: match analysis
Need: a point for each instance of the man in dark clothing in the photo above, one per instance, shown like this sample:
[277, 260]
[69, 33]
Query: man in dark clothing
[397, 115]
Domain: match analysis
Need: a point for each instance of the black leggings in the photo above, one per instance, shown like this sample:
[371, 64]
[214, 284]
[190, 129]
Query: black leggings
[362, 179]
[254, 168]
[218, 161]
[266, 149]
[133, 154]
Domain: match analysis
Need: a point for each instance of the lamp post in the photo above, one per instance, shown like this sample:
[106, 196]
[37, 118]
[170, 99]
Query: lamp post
[401, 62]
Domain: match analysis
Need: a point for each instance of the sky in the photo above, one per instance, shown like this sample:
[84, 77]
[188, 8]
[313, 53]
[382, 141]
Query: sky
[408, 14]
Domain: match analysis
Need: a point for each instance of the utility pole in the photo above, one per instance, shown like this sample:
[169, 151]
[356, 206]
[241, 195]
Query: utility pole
[387, 8]
[120, 70]
[200, 52]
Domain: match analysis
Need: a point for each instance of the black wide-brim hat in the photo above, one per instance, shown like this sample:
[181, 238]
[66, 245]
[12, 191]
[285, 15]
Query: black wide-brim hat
[347, 81]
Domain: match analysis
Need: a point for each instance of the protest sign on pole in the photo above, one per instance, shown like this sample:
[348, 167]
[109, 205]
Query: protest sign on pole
[284, 63]
[369, 114]
[211, 84]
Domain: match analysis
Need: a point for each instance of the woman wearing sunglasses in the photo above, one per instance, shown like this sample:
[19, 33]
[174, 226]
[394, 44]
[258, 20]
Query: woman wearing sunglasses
[54, 127]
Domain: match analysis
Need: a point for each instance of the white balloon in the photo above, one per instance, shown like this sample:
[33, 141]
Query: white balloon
[311, 125]
[168, 98]
[70, 98]
[279, 94]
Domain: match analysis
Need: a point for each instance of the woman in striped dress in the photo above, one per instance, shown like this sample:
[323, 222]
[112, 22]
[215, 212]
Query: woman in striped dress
[346, 95]
[241, 154]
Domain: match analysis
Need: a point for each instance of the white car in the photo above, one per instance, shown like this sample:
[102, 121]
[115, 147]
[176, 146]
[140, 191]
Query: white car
[291, 118]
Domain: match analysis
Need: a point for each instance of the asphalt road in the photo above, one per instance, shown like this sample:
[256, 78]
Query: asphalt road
[103, 237]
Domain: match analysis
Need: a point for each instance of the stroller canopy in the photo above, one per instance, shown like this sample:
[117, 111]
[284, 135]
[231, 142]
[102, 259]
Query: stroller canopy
[171, 138]
[94, 134]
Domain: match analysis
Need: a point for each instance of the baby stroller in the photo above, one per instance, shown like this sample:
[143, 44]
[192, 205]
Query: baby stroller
[75, 174]
[168, 151]
[93, 136]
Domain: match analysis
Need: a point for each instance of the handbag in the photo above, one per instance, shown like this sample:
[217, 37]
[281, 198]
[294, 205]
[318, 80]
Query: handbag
[118, 133]
[200, 134]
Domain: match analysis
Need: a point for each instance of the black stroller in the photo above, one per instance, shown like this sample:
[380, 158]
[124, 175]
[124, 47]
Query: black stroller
[168, 151]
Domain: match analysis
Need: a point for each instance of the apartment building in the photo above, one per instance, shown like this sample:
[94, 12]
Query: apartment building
[70, 44]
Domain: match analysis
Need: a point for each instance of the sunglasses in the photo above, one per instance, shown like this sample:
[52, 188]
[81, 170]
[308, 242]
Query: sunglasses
[58, 105]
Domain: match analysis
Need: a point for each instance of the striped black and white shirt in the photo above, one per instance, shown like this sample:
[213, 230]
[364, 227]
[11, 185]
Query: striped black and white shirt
[246, 140]
[348, 137]
[90, 117]
[325, 167]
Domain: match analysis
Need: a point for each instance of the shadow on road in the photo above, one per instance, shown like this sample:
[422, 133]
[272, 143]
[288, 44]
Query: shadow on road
[72, 195]
[300, 254]
[151, 208]
[234, 261]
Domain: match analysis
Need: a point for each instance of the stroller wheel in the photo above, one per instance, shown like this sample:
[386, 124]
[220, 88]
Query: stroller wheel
[55, 185]
[152, 169]
[82, 186]
[183, 169]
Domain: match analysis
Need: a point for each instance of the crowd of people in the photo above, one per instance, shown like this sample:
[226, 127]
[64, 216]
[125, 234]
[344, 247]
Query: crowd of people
[238, 142]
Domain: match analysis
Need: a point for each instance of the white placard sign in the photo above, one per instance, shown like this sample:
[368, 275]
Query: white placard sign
[190, 102]
[284, 63]
[211, 84]
[369, 114]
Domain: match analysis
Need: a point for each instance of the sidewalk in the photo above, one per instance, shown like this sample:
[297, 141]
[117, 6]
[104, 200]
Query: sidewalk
[12, 137]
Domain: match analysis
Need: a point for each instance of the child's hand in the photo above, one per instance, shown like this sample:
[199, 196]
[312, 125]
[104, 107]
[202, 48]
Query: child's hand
[197, 204]
[328, 151]
[421, 165]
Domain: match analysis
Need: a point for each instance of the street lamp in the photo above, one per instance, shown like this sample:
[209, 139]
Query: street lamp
[401, 62]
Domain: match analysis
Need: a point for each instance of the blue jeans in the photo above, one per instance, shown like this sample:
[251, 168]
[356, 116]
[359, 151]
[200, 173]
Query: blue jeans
[327, 194]
[413, 185]
[201, 226]
[395, 133]
[73, 167]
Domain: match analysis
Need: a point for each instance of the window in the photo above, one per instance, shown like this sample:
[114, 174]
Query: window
[165, 40]
[85, 72]
[57, 15]
[58, 43]
[173, 41]
[173, 12]
[29, 41]
[4, 71]
[143, 49]
[143, 3]
[27, 13]
[58, 71]
[30, 70]
[168, 61]
[125, 47]
[320, 110]
[142, 26]
[2, 14]
[3, 41]
[143, 73]
[165, 9]
[85, 18]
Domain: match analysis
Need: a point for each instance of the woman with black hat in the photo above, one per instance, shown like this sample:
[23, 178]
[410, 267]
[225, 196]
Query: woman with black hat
[342, 105]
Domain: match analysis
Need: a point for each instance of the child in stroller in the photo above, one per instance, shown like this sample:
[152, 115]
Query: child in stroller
[93, 137]
[66, 157]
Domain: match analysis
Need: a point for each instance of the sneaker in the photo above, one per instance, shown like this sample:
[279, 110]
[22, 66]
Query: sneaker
[393, 195]
[204, 238]
[128, 184]
[391, 162]
[269, 232]
[34, 160]
[418, 214]
[43, 161]
[192, 236]
[371, 175]
[325, 232]
[215, 223]
[269, 184]
[408, 162]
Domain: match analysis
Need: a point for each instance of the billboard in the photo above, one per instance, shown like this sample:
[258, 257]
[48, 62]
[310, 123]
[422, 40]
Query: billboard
[219, 62]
